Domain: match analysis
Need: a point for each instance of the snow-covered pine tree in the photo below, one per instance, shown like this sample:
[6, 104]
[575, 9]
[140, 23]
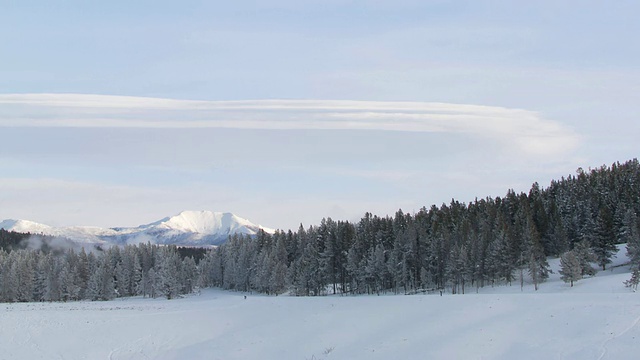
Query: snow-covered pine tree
[188, 278]
[9, 278]
[25, 267]
[151, 282]
[633, 248]
[537, 264]
[586, 257]
[278, 279]
[634, 280]
[69, 290]
[570, 268]
[167, 269]
[376, 269]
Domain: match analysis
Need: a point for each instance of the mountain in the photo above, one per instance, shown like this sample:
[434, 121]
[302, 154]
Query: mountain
[24, 226]
[190, 228]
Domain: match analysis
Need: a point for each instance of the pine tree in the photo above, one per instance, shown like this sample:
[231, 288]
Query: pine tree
[10, 278]
[93, 286]
[38, 278]
[376, 269]
[570, 267]
[586, 257]
[168, 268]
[278, 278]
[189, 272]
[121, 281]
[69, 290]
[537, 264]
[101, 285]
[150, 281]
[136, 276]
[24, 272]
[604, 238]
[633, 248]
[51, 279]
[635, 279]
[633, 239]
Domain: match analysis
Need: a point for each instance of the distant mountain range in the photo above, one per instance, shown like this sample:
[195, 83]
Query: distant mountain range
[189, 228]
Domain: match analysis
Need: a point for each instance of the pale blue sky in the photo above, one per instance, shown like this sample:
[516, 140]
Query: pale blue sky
[555, 85]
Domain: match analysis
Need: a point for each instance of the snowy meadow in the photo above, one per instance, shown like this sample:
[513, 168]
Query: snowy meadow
[596, 319]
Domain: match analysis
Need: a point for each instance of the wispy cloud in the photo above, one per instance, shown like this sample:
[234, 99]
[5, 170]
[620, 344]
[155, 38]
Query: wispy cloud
[526, 130]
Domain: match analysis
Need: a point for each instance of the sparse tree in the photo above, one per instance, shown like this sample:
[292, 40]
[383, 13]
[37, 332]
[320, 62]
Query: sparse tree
[570, 268]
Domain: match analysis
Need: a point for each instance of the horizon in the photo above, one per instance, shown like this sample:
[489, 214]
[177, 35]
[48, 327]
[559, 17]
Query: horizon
[117, 114]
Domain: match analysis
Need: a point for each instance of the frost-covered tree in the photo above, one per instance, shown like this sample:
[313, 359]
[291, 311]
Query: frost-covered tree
[168, 268]
[633, 248]
[634, 280]
[151, 282]
[188, 275]
[536, 261]
[52, 284]
[101, 285]
[69, 289]
[570, 268]
[278, 280]
[586, 257]
[24, 270]
[376, 269]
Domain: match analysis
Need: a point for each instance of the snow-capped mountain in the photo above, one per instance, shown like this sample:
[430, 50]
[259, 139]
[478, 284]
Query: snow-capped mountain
[193, 228]
[79, 234]
[24, 226]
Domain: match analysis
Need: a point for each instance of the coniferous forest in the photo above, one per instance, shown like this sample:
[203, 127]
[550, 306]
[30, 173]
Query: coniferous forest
[454, 247]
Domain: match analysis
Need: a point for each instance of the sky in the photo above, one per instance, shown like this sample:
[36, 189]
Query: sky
[119, 113]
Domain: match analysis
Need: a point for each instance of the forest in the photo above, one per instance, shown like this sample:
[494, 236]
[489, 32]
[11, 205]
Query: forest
[455, 247]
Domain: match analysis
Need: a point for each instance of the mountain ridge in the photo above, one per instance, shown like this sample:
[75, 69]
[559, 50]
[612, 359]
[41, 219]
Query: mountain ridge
[190, 228]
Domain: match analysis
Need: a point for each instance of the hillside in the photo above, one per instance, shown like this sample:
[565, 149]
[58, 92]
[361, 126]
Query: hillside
[454, 247]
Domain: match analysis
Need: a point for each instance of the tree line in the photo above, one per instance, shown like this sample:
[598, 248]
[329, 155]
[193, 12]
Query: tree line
[454, 247]
[144, 269]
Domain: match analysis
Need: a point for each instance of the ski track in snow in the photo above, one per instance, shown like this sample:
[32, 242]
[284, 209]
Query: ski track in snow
[622, 333]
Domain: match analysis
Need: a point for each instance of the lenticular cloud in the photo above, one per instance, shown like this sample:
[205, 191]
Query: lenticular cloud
[520, 129]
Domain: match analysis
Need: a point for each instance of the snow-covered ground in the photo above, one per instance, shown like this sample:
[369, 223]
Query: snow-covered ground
[596, 319]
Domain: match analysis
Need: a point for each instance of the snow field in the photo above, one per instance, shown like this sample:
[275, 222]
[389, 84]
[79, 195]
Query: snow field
[596, 319]
[222, 325]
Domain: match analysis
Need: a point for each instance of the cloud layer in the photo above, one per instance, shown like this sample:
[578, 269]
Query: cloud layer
[522, 129]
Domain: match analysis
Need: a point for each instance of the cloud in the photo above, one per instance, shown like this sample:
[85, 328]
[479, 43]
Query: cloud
[520, 129]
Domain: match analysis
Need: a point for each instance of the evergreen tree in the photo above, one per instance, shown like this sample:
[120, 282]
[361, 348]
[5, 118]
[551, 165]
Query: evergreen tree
[537, 264]
[69, 290]
[586, 257]
[189, 273]
[25, 268]
[570, 267]
[634, 280]
[278, 279]
[604, 238]
[633, 248]
[376, 269]
[94, 286]
[167, 271]
[152, 283]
